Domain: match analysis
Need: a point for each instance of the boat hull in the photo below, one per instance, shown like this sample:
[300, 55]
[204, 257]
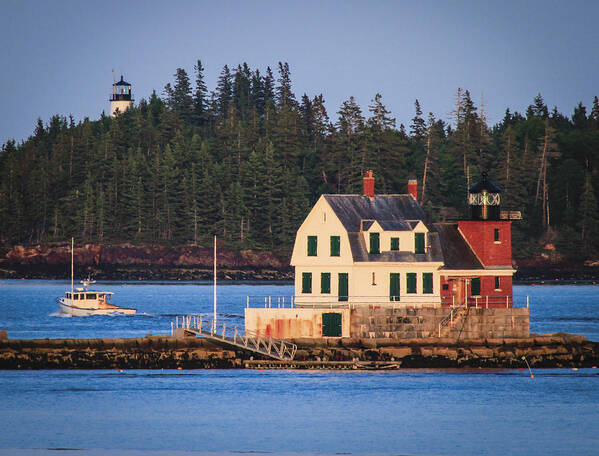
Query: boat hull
[88, 311]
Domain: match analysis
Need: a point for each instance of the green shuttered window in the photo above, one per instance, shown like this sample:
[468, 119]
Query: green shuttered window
[427, 282]
[312, 245]
[306, 282]
[394, 286]
[325, 282]
[419, 241]
[497, 287]
[335, 245]
[496, 234]
[343, 286]
[411, 282]
[475, 289]
[374, 243]
[394, 243]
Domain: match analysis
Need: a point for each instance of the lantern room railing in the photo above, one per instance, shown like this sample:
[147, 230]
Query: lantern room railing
[120, 97]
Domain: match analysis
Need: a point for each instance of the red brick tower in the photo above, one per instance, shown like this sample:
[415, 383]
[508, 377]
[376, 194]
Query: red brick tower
[490, 238]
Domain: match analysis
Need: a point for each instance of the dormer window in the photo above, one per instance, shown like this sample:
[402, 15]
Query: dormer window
[375, 243]
[394, 243]
[419, 243]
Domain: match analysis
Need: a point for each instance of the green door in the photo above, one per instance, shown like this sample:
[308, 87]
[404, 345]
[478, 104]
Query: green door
[343, 286]
[331, 325]
[475, 288]
[394, 286]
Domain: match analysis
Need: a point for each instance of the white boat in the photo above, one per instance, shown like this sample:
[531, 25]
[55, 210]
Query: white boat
[82, 302]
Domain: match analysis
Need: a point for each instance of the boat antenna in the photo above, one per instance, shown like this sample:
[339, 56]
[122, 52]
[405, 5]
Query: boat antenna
[72, 263]
[214, 319]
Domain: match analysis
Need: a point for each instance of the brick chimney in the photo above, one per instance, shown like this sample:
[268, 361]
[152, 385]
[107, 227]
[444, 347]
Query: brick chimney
[413, 188]
[369, 184]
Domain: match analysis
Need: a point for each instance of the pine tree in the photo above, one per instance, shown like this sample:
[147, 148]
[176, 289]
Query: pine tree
[589, 216]
[257, 91]
[307, 116]
[284, 94]
[224, 93]
[269, 86]
[594, 117]
[418, 125]
[433, 142]
[548, 152]
[538, 108]
[182, 100]
[241, 96]
[348, 157]
[579, 118]
[200, 103]
[381, 145]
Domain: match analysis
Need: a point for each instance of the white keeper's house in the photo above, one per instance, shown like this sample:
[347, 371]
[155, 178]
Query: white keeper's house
[379, 251]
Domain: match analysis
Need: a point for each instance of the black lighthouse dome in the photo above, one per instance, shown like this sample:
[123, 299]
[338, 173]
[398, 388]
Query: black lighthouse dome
[121, 91]
[484, 199]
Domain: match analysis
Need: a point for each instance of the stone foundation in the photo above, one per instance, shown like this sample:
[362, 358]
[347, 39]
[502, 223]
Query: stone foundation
[411, 323]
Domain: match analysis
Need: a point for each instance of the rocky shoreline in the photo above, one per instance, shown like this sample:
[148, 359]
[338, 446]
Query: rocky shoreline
[138, 262]
[168, 352]
[190, 262]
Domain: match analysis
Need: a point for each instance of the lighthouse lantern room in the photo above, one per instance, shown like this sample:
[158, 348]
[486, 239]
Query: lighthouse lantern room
[121, 98]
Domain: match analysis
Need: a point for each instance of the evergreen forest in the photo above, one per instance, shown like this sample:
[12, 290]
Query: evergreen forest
[247, 160]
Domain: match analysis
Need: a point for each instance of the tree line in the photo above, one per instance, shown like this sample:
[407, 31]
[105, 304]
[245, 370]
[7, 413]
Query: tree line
[247, 160]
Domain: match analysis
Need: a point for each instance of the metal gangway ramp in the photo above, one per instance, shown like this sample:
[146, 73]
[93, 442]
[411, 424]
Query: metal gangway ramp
[232, 335]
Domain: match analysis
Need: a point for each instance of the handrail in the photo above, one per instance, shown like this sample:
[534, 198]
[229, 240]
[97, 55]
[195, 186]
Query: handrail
[233, 335]
[449, 317]
[429, 300]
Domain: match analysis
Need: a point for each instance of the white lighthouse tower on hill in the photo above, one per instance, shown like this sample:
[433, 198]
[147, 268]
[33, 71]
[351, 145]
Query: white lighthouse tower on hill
[121, 99]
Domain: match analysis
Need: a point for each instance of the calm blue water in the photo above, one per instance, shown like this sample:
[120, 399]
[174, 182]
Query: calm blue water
[28, 309]
[409, 412]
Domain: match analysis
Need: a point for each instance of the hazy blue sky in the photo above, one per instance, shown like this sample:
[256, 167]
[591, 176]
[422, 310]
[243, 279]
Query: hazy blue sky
[56, 56]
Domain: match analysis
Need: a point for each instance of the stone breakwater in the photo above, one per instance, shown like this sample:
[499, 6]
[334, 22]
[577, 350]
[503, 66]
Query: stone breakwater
[165, 352]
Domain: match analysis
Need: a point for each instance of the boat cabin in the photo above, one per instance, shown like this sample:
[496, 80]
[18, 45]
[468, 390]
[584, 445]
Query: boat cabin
[88, 296]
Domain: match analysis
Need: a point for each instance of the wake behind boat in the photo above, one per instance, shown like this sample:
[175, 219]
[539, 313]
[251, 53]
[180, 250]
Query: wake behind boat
[82, 302]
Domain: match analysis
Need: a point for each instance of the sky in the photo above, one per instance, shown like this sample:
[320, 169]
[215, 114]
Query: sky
[57, 57]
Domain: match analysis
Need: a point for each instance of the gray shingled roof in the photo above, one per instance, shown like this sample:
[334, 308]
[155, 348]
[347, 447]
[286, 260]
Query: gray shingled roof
[457, 254]
[393, 213]
[360, 252]
[395, 225]
[352, 209]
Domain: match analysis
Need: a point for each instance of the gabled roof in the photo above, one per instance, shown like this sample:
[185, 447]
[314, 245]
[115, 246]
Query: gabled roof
[366, 224]
[457, 254]
[395, 225]
[385, 209]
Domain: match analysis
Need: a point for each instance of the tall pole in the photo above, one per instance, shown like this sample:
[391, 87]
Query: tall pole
[72, 263]
[214, 319]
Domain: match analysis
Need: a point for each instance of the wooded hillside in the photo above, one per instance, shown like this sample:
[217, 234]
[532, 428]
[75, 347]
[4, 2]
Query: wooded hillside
[247, 160]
